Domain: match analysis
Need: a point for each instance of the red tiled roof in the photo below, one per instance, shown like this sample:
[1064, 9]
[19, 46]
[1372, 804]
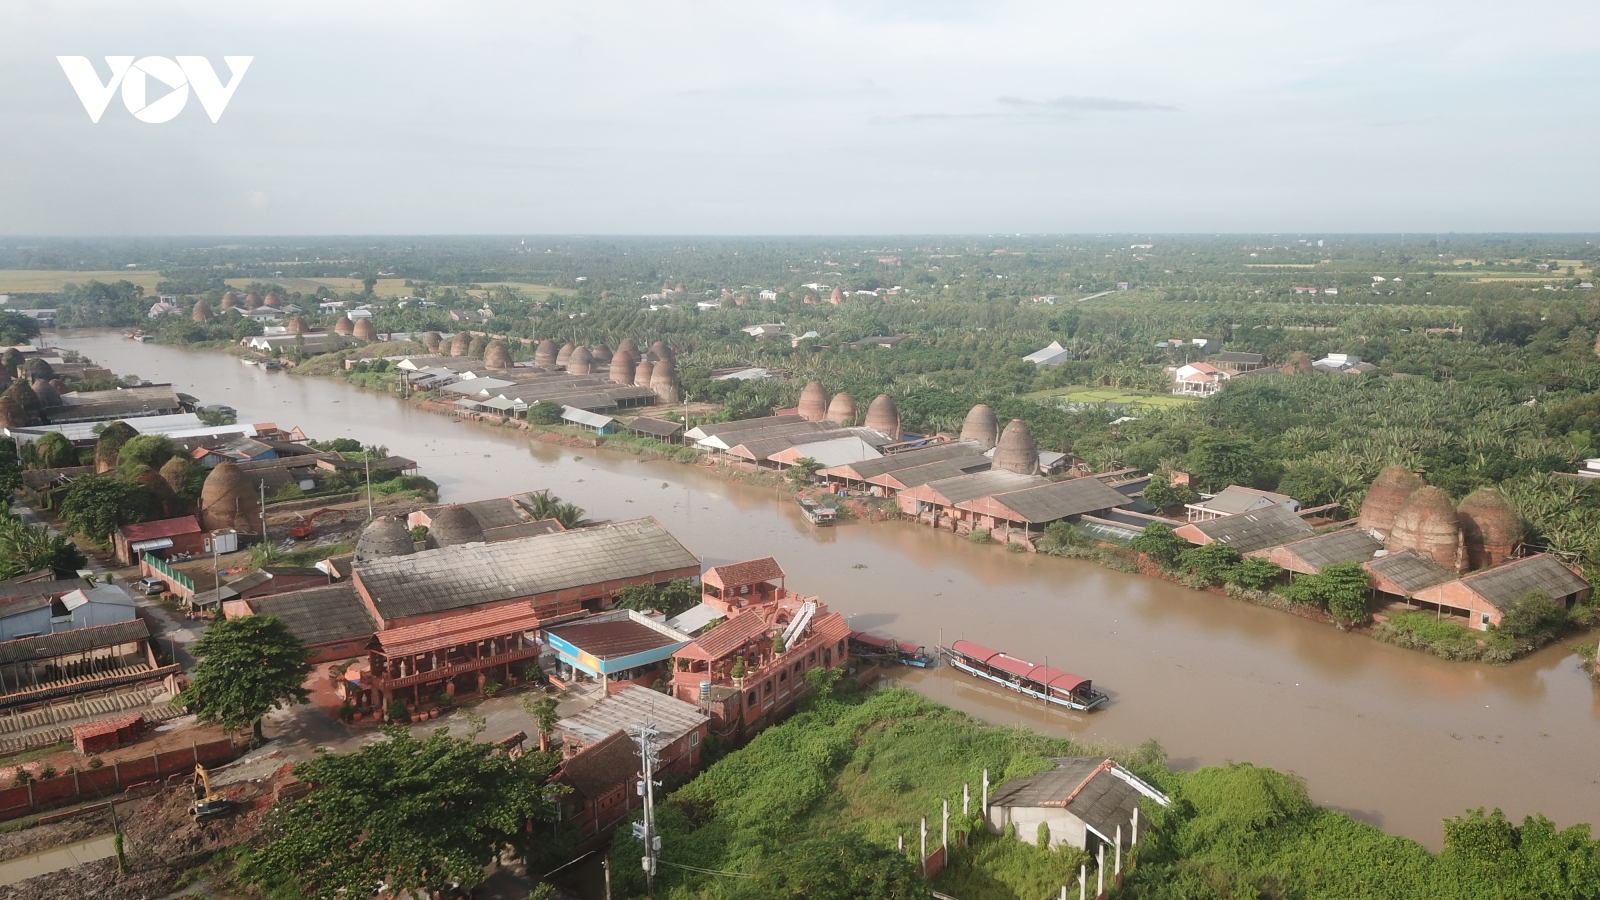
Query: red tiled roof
[105, 726]
[729, 636]
[747, 572]
[149, 531]
[476, 626]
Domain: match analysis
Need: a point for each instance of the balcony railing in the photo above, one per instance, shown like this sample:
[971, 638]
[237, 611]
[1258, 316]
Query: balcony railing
[453, 669]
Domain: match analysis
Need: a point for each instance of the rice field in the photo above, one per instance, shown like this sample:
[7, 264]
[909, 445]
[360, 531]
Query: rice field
[48, 281]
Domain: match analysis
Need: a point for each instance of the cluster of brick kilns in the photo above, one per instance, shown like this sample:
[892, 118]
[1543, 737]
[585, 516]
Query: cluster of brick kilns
[1406, 513]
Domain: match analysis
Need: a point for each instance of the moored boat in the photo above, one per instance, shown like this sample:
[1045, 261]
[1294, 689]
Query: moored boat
[882, 649]
[1016, 674]
[816, 513]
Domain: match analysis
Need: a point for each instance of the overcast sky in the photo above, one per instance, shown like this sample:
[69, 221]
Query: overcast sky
[813, 118]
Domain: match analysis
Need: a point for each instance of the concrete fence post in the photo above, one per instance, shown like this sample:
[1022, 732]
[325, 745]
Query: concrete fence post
[984, 807]
[1133, 840]
[924, 837]
[1100, 873]
[1118, 861]
[966, 799]
[1083, 881]
[945, 836]
[30, 796]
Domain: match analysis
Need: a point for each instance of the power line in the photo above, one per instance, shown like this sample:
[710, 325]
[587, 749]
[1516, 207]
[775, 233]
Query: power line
[706, 871]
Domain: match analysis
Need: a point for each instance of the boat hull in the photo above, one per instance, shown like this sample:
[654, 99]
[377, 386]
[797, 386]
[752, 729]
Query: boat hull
[1063, 700]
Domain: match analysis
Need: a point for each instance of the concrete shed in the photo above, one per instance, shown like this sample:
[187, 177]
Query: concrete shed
[1082, 800]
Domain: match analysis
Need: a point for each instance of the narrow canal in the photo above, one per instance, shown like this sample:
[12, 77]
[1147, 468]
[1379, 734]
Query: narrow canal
[1393, 737]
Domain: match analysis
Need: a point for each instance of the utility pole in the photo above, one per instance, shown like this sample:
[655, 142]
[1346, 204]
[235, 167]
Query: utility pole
[645, 831]
[366, 459]
[266, 546]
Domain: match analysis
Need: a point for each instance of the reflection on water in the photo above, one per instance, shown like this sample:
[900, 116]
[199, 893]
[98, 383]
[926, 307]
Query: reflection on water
[1397, 738]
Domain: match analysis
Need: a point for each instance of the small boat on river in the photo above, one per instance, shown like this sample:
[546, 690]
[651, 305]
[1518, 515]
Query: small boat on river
[271, 365]
[816, 513]
[1016, 674]
[881, 649]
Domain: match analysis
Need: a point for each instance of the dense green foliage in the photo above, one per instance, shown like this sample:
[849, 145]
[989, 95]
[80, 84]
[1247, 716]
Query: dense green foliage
[1341, 589]
[1246, 832]
[97, 505]
[247, 667]
[412, 815]
[674, 597]
[863, 768]
[28, 548]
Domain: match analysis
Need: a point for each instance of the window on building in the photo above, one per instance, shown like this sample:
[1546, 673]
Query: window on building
[694, 739]
[753, 698]
[783, 676]
[768, 690]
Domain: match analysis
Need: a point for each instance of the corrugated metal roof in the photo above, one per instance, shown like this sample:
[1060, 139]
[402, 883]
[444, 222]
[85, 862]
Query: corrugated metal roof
[611, 636]
[1235, 499]
[584, 417]
[1410, 571]
[163, 528]
[716, 428]
[631, 707]
[600, 767]
[656, 427]
[1061, 499]
[1505, 584]
[45, 646]
[896, 462]
[695, 618]
[319, 615]
[1348, 545]
[962, 488]
[1102, 794]
[835, 451]
[954, 467]
[473, 574]
[1253, 530]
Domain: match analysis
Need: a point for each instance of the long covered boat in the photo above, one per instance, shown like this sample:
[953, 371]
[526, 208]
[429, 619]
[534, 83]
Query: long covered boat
[1013, 673]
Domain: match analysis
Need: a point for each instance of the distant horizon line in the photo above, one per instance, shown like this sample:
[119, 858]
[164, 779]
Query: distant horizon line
[788, 236]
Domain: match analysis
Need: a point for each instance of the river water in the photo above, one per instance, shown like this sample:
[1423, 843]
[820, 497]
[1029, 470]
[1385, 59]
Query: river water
[1391, 736]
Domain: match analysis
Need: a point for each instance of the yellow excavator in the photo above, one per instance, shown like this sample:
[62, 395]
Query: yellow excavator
[207, 802]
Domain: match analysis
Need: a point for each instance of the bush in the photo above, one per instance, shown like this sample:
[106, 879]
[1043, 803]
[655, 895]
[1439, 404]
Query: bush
[1532, 615]
[1042, 836]
[1341, 589]
[1254, 573]
[1160, 543]
[980, 536]
[397, 710]
[1211, 563]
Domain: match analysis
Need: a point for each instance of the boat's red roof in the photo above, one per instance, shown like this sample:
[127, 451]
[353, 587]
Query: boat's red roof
[1018, 667]
[872, 640]
[1056, 679]
[976, 651]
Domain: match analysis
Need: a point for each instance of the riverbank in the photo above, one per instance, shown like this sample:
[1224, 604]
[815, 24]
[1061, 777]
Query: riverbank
[1384, 734]
[1444, 639]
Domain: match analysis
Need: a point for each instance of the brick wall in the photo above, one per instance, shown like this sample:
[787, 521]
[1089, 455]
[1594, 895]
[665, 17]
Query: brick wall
[97, 784]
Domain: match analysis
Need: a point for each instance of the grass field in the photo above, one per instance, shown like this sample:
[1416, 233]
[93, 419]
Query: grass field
[536, 291]
[1103, 396]
[44, 281]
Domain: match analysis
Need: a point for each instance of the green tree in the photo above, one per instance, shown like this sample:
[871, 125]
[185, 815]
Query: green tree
[27, 548]
[16, 328]
[53, 451]
[97, 505]
[1255, 573]
[152, 450]
[10, 466]
[412, 815]
[570, 515]
[247, 667]
[835, 866]
[1160, 543]
[1210, 562]
[543, 412]
[1219, 460]
[109, 444]
[1533, 614]
[800, 473]
[1340, 588]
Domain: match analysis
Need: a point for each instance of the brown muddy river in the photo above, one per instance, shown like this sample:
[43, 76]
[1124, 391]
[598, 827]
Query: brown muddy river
[1393, 737]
